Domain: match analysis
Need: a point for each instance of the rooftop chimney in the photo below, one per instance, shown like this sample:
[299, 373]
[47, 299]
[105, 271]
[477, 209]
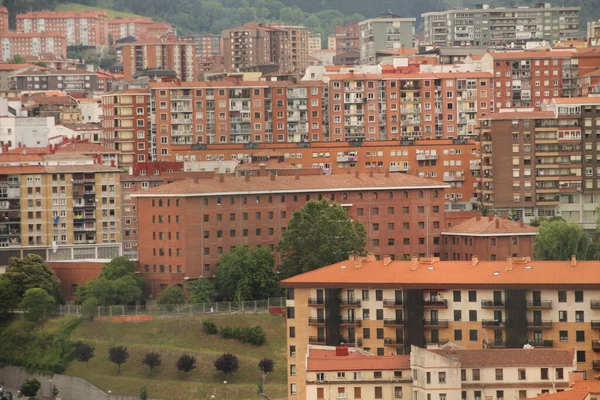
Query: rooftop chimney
[341, 351]
[387, 174]
[387, 260]
[371, 257]
[474, 261]
[573, 261]
[371, 173]
[497, 223]
[262, 170]
[356, 174]
[247, 177]
[478, 217]
[221, 178]
[297, 176]
[272, 177]
[521, 223]
[357, 262]
[509, 267]
[196, 180]
[414, 263]
[490, 218]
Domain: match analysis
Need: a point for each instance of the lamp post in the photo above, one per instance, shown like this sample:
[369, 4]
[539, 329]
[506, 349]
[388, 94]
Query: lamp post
[225, 383]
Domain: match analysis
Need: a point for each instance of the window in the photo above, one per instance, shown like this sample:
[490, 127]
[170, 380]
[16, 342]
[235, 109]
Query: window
[428, 377]
[397, 392]
[291, 312]
[472, 296]
[562, 316]
[378, 392]
[442, 377]
[341, 375]
[579, 316]
[563, 336]
[560, 373]
[293, 388]
[458, 335]
[499, 394]
[522, 374]
[562, 296]
[292, 331]
[379, 333]
[580, 355]
[580, 336]
[379, 315]
[499, 374]
[473, 315]
[292, 370]
[365, 295]
[292, 351]
[366, 333]
[456, 295]
[476, 374]
[544, 373]
[357, 392]
[377, 375]
[578, 296]
[473, 335]
[463, 375]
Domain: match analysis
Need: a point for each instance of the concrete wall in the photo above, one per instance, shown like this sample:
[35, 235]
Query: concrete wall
[71, 388]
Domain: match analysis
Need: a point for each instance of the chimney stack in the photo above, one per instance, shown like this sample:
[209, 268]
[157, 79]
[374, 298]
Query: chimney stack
[573, 261]
[478, 217]
[387, 260]
[509, 267]
[247, 177]
[262, 170]
[221, 178]
[490, 218]
[297, 176]
[521, 224]
[387, 173]
[272, 177]
[196, 180]
[474, 260]
[371, 173]
[414, 263]
[356, 174]
[497, 223]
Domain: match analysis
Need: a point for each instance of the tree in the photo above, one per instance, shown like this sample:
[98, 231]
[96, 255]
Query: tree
[186, 363]
[9, 300]
[54, 391]
[83, 352]
[246, 274]
[202, 290]
[484, 210]
[144, 393]
[116, 284]
[559, 240]
[118, 355]
[319, 234]
[152, 360]
[32, 272]
[89, 308]
[266, 366]
[30, 387]
[227, 363]
[17, 59]
[171, 296]
[35, 304]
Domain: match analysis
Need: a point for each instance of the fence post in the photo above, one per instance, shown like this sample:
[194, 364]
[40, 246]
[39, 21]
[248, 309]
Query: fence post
[136, 309]
[69, 309]
[60, 309]
[98, 311]
[110, 311]
[255, 306]
[122, 310]
[229, 306]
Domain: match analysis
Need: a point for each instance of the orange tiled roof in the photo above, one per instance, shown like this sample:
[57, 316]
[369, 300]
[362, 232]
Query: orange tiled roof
[327, 360]
[85, 148]
[530, 54]
[579, 393]
[487, 226]
[292, 184]
[269, 164]
[576, 100]
[593, 386]
[520, 115]
[482, 358]
[24, 35]
[62, 14]
[20, 157]
[451, 274]
[22, 170]
[13, 67]
[28, 150]
[54, 100]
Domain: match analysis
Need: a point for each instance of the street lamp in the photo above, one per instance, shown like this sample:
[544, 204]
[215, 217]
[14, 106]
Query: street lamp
[225, 383]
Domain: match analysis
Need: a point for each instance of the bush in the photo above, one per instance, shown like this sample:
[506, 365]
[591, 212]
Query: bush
[227, 363]
[35, 304]
[210, 326]
[30, 387]
[186, 363]
[246, 334]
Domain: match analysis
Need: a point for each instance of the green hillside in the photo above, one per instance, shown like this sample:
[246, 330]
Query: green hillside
[81, 7]
[172, 337]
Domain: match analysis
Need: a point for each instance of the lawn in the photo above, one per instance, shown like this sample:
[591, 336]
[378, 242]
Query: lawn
[81, 7]
[175, 336]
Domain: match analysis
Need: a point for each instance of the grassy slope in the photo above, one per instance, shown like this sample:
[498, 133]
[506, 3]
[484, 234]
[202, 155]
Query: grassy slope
[81, 7]
[171, 338]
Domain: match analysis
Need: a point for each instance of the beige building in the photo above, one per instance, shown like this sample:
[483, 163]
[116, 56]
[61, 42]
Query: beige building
[331, 43]
[314, 42]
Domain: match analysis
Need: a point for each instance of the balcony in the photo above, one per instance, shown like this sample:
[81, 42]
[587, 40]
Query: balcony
[350, 321]
[493, 344]
[490, 323]
[399, 168]
[316, 321]
[393, 322]
[439, 342]
[316, 302]
[492, 304]
[423, 157]
[596, 365]
[454, 178]
[595, 324]
[393, 303]
[595, 304]
[349, 303]
[347, 158]
[393, 342]
[440, 303]
[539, 324]
[316, 340]
[541, 343]
[546, 304]
[596, 345]
[435, 323]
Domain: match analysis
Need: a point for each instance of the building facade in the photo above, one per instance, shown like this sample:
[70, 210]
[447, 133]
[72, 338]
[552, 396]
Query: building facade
[80, 28]
[62, 80]
[501, 27]
[386, 32]
[32, 44]
[120, 28]
[347, 38]
[385, 306]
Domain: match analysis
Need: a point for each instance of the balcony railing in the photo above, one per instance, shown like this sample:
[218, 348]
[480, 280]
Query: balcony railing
[316, 321]
[316, 302]
[442, 303]
[539, 324]
[349, 303]
[435, 323]
[596, 345]
[595, 324]
[541, 343]
[393, 342]
[492, 304]
[393, 322]
[539, 304]
[490, 323]
[316, 340]
[392, 303]
[596, 365]
[595, 304]
[493, 343]
[439, 342]
[350, 321]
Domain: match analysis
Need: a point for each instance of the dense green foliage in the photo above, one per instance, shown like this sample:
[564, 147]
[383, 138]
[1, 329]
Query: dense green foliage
[266, 365]
[559, 240]
[171, 296]
[37, 351]
[83, 352]
[36, 304]
[116, 284]
[227, 363]
[30, 387]
[246, 334]
[319, 234]
[9, 299]
[31, 272]
[246, 274]
[210, 326]
[202, 290]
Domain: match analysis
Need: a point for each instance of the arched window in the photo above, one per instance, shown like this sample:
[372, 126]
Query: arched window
[406, 194]
[435, 193]
[390, 195]
[345, 196]
[420, 194]
[218, 201]
[375, 195]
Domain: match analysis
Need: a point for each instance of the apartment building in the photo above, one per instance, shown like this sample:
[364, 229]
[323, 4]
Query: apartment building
[593, 32]
[3, 20]
[501, 27]
[189, 224]
[81, 28]
[314, 42]
[120, 28]
[62, 80]
[490, 374]
[208, 45]
[32, 44]
[18, 132]
[126, 124]
[385, 306]
[385, 32]
[64, 109]
[59, 206]
[526, 78]
[170, 54]
[347, 38]
[553, 157]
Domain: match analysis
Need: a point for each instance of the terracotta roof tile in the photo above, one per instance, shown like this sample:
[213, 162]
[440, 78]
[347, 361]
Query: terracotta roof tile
[530, 54]
[520, 115]
[487, 226]
[53, 100]
[271, 164]
[283, 184]
[593, 386]
[576, 100]
[327, 360]
[62, 14]
[451, 274]
[579, 393]
[85, 148]
[482, 358]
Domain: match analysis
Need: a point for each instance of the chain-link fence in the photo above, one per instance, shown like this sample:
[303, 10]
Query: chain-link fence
[223, 307]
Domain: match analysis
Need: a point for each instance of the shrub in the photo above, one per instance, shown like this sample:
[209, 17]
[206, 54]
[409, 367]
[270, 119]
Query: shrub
[210, 326]
[152, 360]
[186, 363]
[30, 387]
[246, 334]
[227, 363]
[118, 355]
[83, 352]
[257, 336]
[227, 332]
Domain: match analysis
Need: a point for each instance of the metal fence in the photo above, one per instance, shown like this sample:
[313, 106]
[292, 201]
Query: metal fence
[182, 310]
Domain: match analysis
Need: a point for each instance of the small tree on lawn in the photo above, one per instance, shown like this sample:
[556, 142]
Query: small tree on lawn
[266, 365]
[35, 304]
[54, 391]
[144, 392]
[227, 363]
[83, 352]
[152, 360]
[89, 308]
[118, 355]
[186, 363]
[30, 387]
